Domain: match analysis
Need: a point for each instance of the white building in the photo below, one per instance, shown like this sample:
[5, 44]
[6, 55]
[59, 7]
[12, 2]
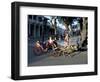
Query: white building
[38, 27]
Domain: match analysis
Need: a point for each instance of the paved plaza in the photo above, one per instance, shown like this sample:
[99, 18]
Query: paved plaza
[47, 59]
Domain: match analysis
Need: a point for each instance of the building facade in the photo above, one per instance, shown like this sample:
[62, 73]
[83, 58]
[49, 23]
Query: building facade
[38, 27]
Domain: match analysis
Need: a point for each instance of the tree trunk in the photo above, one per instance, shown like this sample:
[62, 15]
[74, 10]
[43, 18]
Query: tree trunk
[83, 31]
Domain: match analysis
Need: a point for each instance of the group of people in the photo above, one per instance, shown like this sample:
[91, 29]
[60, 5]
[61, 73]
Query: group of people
[41, 47]
[50, 44]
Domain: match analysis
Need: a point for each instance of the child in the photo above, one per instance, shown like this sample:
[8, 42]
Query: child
[38, 49]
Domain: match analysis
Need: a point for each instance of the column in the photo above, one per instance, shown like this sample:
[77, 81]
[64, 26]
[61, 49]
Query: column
[29, 29]
[39, 30]
[34, 30]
